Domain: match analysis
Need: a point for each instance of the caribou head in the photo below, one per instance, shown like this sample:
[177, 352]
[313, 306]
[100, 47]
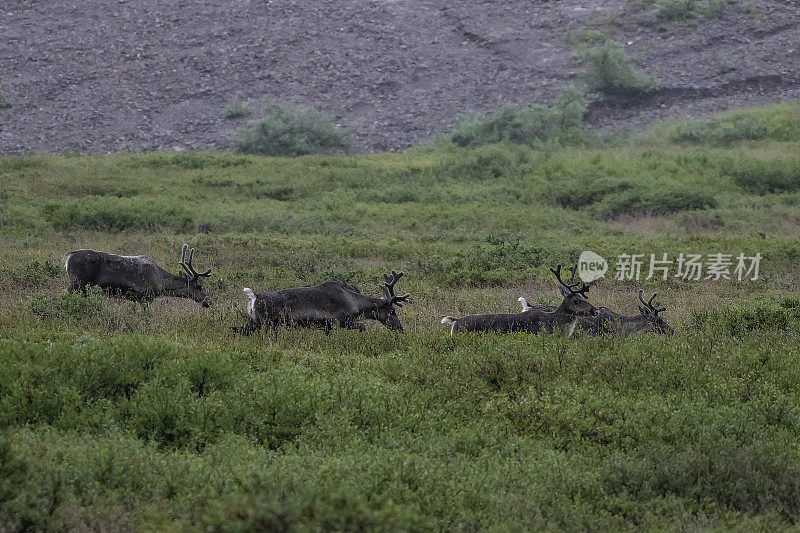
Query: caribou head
[650, 310]
[191, 277]
[575, 295]
[385, 312]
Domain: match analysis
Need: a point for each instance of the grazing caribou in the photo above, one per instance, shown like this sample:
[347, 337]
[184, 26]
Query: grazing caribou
[573, 306]
[609, 322]
[331, 303]
[135, 277]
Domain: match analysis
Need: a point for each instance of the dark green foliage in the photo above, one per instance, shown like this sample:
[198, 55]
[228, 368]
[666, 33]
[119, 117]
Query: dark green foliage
[32, 273]
[496, 263]
[561, 123]
[288, 131]
[235, 108]
[738, 319]
[609, 71]
[778, 122]
[687, 10]
[189, 160]
[373, 431]
[664, 201]
[116, 214]
[758, 176]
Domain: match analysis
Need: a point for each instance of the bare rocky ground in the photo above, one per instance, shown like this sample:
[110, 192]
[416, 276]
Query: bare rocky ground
[100, 76]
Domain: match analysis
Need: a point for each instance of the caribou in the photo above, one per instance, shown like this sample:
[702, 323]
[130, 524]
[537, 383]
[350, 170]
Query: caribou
[574, 305]
[331, 303]
[609, 322]
[136, 277]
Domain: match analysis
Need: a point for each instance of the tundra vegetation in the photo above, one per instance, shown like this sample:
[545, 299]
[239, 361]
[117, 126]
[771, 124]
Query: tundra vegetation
[287, 130]
[117, 417]
[235, 108]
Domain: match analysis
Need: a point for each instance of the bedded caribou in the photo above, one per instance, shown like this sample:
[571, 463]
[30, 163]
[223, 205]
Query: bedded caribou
[135, 277]
[331, 303]
[607, 322]
[573, 306]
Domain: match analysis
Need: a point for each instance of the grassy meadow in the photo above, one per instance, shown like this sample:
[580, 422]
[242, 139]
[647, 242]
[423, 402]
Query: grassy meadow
[114, 417]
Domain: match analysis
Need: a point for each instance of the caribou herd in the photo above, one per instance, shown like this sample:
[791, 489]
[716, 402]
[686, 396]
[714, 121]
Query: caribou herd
[337, 303]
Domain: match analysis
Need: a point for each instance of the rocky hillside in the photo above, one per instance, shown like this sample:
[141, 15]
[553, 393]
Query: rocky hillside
[99, 76]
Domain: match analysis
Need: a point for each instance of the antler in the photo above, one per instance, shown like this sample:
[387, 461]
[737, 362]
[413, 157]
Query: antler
[571, 288]
[187, 266]
[652, 306]
[388, 289]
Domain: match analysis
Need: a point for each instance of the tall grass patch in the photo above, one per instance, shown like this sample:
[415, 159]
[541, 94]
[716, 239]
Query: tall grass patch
[687, 10]
[235, 108]
[284, 130]
[560, 123]
[777, 122]
[110, 213]
[609, 71]
[759, 176]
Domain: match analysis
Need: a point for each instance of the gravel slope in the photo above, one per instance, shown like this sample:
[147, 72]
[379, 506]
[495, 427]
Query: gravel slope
[108, 76]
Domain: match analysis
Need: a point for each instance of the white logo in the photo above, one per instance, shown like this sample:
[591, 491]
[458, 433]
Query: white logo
[591, 266]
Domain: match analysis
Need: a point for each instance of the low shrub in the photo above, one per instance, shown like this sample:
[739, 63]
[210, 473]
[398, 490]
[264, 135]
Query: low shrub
[758, 176]
[284, 130]
[610, 71]
[737, 320]
[493, 161]
[33, 273]
[686, 10]
[658, 201]
[189, 160]
[560, 123]
[235, 108]
[779, 122]
[117, 214]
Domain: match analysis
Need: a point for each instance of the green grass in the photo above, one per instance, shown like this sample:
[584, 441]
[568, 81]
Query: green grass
[235, 108]
[609, 71]
[779, 122]
[536, 125]
[285, 130]
[117, 417]
[687, 10]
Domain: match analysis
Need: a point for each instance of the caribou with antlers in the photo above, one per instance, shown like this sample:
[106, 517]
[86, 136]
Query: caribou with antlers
[331, 303]
[608, 322]
[135, 277]
[574, 305]
[647, 321]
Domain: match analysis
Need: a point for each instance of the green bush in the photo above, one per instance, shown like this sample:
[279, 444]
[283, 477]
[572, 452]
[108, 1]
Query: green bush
[288, 131]
[116, 214]
[779, 122]
[610, 188]
[235, 108]
[561, 123]
[758, 176]
[685, 10]
[644, 200]
[610, 71]
[189, 160]
[738, 320]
